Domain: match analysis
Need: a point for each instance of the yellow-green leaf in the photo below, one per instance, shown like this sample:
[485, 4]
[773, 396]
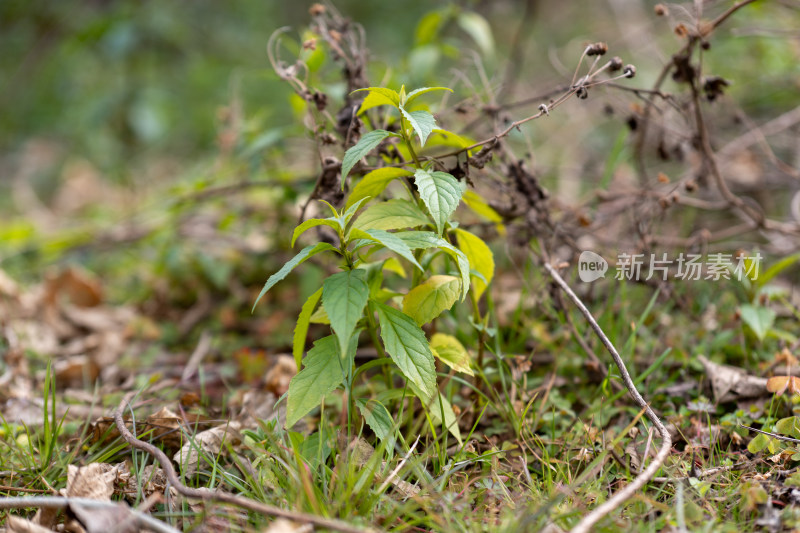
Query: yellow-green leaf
[478, 206]
[480, 259]
[373, 183]
[396, 213]
[427, 300]
[451, 352]
[301, 329]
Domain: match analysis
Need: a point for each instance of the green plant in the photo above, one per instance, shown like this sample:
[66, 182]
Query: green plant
[417, 228]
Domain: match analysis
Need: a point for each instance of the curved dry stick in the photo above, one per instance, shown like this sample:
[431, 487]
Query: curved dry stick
[57, 502]
[586, 523]
[223, 497]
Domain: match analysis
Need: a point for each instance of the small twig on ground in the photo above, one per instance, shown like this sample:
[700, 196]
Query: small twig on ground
[57, 502]
[588, 521]
[704, 473]
[222, 497]
[773, 435]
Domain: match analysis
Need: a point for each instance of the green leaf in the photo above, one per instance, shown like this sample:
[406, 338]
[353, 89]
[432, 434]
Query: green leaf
[397, 213]
[422, 122]
[451, 352]
[305, 253]
[350, 211]
[405, 342]
[344, 296]
[777, 268]
[423, 90]
[390, 241]
[789, 426]
[425, 239]
[759, 319]
[377, 417]
[301, 328]
[428, 27]
[373, 183]
[427, 300]
[441, 137]
[441, 193]
[314, 222]
[758, 443]
[320, 376]
[478, 28]
[480, 259]
[364, 146]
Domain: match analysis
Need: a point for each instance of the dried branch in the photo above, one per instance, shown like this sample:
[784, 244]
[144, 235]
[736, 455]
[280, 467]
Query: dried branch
[223, 497]
[588, 521]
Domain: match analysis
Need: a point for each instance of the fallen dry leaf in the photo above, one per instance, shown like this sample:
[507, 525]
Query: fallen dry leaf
[94, 481]
[781, 384]
[208, 443]
[730, 383]
[15, 524]
[280, 375]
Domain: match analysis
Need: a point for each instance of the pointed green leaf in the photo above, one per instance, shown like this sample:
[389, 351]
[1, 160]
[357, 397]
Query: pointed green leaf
[344, 296]
[427, 300]
[405, 342]
[758, 319]
[397, 213]
[375, 99]
[392, 96]
[377, 417]
[351, 210]
[480, 259]
[394, 244]
[320, 316]
[425, 239]
[364, 146]
[441, 193]
[305, 253]
[321, 374]
[373, 183]
[301, 329]
[422, 122]
[451, 352]
[313, 222]
[423, 90]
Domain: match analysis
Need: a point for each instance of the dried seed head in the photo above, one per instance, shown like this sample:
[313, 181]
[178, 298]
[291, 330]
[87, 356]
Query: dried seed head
[690, 185]
[629, 71]
[714, 86]
[544, 109]
[661, 10]
[663, 178]
[597, 49]
[310, 44]
[664, 202]
[681, 30]
[615, 64]
[705, 45]
[582, 93]
[316, 10]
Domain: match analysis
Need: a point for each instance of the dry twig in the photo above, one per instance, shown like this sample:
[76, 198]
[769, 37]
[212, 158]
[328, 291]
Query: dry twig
[588, 521]
[223, 497]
